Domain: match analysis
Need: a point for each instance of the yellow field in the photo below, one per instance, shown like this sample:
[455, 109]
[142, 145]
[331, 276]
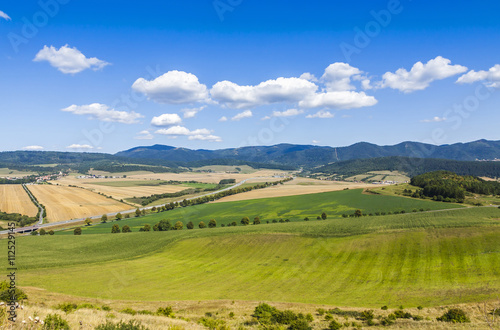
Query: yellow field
[13, 199]
[65, 203]
[299, 186]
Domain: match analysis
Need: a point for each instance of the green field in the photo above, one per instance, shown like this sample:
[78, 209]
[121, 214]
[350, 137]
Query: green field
[428, 259]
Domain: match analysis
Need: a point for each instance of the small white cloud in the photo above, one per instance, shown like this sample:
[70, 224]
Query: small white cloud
[492, 76]
[223, 119]
[339, 100]
[144, 135]
[287, 113]
[4, 16]
[321, 114]
[308, 76]
[265, 118]
[337, 77]
[209, 137]
[197, 134]
[68, 60]
[241, 115]
[421, 75]
[33, 148]
[166, 119]
[174, 130]
[173, 87]
[102, 112]
[433, 120]
[80, 146]
[315, 141]
[191, 112]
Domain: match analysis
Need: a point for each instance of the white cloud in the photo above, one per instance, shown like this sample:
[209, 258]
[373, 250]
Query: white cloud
[166, 119]
[80, 146]
[4, 16]
[68, 60]
[308, 76]
[321, 114]
[191, 112]
[241, 115]
[315, 141]
[209, 137]
[339, 100]
[33, 148]
[197, 134]
[287, 113]
[102, 112]
[173, 87]
[337, 77]
[433, 120]
[420, 75]
[265, 118]
[492, 75]
[271, 91]
[223, 119]
[144, 135]
[174, 130]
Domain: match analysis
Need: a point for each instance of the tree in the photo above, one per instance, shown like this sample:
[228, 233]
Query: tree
[153, 209]
[164, 225]
[115, 229]
[104, 218]
[146, 228]
[137, 213]
[51, 232]
[202, 225]
[306, 219]
[233, 223]
[256, 221]
[42, 232]
[126, 229]
[88, 222]
[77, 231]
[119, 216]
[178, 225]
[358, 213]
[245, 221]
[190, 225]
[323, 216]
[212, 223]
[318, 218]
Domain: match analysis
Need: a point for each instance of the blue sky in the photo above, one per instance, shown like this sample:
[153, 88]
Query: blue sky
[108, 76]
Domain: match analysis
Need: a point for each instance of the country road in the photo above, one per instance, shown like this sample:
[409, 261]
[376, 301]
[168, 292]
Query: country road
[40, 224]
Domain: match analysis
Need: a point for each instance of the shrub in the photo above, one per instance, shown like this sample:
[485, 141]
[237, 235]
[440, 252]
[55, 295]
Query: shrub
[245, 221]
[256, 221]
[323, 216]
[367, 315]
[164, 225]
[119, 216]
[54, 322]
[306, 219]
[178, 225]
[67, 307]
[386, 321]
[131, 325]
[334, 325]
[202, 225]
[318, 218]
[384, 308]
[321, 311]
[104, 218]
[212, 223]
[51, 232]
[233, 223]
[115, 229]
[42, 232]
[6, 296]
[126, 229]
[190, 225]
[212, 323]
[420, 308]
[166, 311]
[454, 315]
[146, 227]
[128, 311]
[402, 315]
[300, 324]
[77, 231]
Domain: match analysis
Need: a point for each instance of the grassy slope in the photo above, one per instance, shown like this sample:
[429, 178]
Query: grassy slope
[295, 208]
[413, 259]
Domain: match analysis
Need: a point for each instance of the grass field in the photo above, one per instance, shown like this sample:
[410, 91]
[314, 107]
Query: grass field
[5, 172]
[426, 259]
[13, 199]
[64, 203]
[375, 176]
[243, 169]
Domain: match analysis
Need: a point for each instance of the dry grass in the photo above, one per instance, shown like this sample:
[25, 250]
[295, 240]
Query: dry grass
[299, 186]
[205, 177]
[65, 203]
[13, 199]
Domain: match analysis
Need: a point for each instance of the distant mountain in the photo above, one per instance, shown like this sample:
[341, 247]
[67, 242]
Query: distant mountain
[310, 156]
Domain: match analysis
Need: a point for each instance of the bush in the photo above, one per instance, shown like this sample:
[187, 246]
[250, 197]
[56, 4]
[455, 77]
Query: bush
[54, 322]
[300, 324]
[42, 232]
[384, 308]
[234, 223]
[67, 307]
[146, 228]
[104, 218]
[131, 325]
[178, 225]
[6, 296]
[212, 223]
[256, 221]
[51, 232]
[115, 229]
[202, 225]
[306, 219]
[334, 325]
[323, 216]
[245, 221]
[386, 321]
[454, 315]
[164, 225]
[190, 225]
[126, 229]
[77, 231]
[167, 311]
[129, 311]
[213, 324]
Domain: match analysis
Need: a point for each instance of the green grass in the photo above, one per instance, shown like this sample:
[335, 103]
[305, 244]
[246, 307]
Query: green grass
[426, 259]
[8, 172]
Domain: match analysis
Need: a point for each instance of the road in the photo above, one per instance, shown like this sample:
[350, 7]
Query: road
[40, 224]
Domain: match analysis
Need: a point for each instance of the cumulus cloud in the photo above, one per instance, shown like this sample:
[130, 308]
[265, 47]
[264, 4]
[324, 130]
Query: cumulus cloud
[173, 87]
[223, 119]
[241, 115]
[315, 141]
[191, 112]
[338, 100]
[80, 146]
[197, 134]
[144, 135]
[103, 112]
[33, 148]
[4, 16]
[166, 119]
[308, 76]
[68, 60]
[421, 75]
[492, 76]
[287, 113]
[285, 90]
[433, 120]
[321, 114]
[337, 77]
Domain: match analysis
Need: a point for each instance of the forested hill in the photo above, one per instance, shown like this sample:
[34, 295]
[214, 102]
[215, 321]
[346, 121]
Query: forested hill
[308, 155]
[410, 166]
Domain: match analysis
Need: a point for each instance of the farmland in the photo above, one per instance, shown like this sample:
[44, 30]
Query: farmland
[64, 203]
[15, 200]
[5, 172]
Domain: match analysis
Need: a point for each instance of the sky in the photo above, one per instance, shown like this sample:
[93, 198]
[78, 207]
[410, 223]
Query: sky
[108, 76]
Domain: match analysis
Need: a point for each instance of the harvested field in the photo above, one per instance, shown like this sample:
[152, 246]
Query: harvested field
[13, 199]
[299, 186]
[65, 203]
